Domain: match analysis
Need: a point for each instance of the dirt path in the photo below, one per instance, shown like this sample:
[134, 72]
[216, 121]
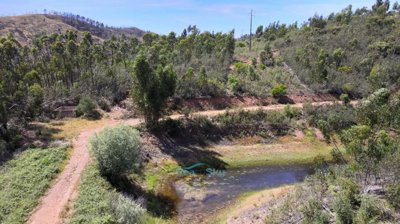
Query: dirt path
[65, 186]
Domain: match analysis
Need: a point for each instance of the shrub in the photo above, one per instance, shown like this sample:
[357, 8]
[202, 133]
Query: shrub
[278, 90]
[291, 112]
[241, 67]
[347, 88]
[345, 98]
[254, 62]
[104, 104]
[126, 210]
[87, 108]
[345, 69]
[346, 200]
[343, 209]
[116, 149]
[393, 195]
[372, 210]
[313, 212]
[233, 83]
[241, 44]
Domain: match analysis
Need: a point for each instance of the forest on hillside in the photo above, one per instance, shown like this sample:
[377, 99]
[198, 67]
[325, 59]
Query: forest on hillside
[353, 53]
[129, 170]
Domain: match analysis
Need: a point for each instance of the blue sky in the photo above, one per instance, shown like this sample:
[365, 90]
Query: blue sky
[174, 15]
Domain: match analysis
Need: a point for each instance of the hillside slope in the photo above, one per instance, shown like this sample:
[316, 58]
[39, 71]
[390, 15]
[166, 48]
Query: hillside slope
[354, 51]
[26, 27]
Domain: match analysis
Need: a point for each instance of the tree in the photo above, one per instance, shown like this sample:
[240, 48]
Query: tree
[266, 56]
[396, 6]
[203, 79]
[151, 89]
[368, 147]
[317, 21]
[259, 31]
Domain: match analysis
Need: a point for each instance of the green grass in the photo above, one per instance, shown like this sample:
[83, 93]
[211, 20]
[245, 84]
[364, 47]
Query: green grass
[284, 153]
[25, 179]
[92, 203]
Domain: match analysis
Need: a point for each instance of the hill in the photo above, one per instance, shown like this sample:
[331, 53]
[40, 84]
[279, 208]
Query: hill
[26, 27]
[353, 51]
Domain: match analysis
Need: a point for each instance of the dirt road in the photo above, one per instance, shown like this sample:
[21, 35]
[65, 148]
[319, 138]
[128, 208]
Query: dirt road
[65, 186]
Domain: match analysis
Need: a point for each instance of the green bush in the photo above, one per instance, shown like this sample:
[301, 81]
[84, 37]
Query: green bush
[343, 209]
[278, 90]
[372, 210]
[116, 149]
[126, 210]
[291, 112]
[233, 83]
[345, 98]
[346, 200]
[393, 195]
[241, 44]
[87, 108]
[347, 88]
[313, 212]
[241, 67]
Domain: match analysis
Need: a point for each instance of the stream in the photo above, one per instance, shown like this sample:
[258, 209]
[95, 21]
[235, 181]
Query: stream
[200, 196]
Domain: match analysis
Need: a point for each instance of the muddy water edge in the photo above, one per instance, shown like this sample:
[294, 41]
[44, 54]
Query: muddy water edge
[201, 195]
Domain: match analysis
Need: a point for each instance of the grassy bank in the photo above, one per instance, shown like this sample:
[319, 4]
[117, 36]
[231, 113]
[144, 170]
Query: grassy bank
[250, 205]
[25, 179]
[287, 151]
[93, 201]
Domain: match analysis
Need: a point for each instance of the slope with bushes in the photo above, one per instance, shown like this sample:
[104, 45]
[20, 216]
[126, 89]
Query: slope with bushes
[354, 51]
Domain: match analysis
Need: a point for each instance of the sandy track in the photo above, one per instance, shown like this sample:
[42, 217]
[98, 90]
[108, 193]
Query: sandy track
[64, 187]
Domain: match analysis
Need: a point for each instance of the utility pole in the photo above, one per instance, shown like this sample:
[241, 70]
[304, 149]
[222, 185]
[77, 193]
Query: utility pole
[251, 24]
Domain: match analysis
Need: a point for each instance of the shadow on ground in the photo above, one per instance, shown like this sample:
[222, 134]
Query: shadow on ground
[161, 205]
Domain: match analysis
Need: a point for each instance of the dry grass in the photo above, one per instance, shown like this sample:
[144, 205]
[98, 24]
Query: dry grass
[72, 127]
[26, 27]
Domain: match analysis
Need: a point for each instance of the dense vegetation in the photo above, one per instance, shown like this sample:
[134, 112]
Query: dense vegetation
[60, 68]
[353, 51]
[365, 189]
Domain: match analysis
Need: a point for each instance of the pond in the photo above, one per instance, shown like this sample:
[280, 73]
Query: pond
[200, 196]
